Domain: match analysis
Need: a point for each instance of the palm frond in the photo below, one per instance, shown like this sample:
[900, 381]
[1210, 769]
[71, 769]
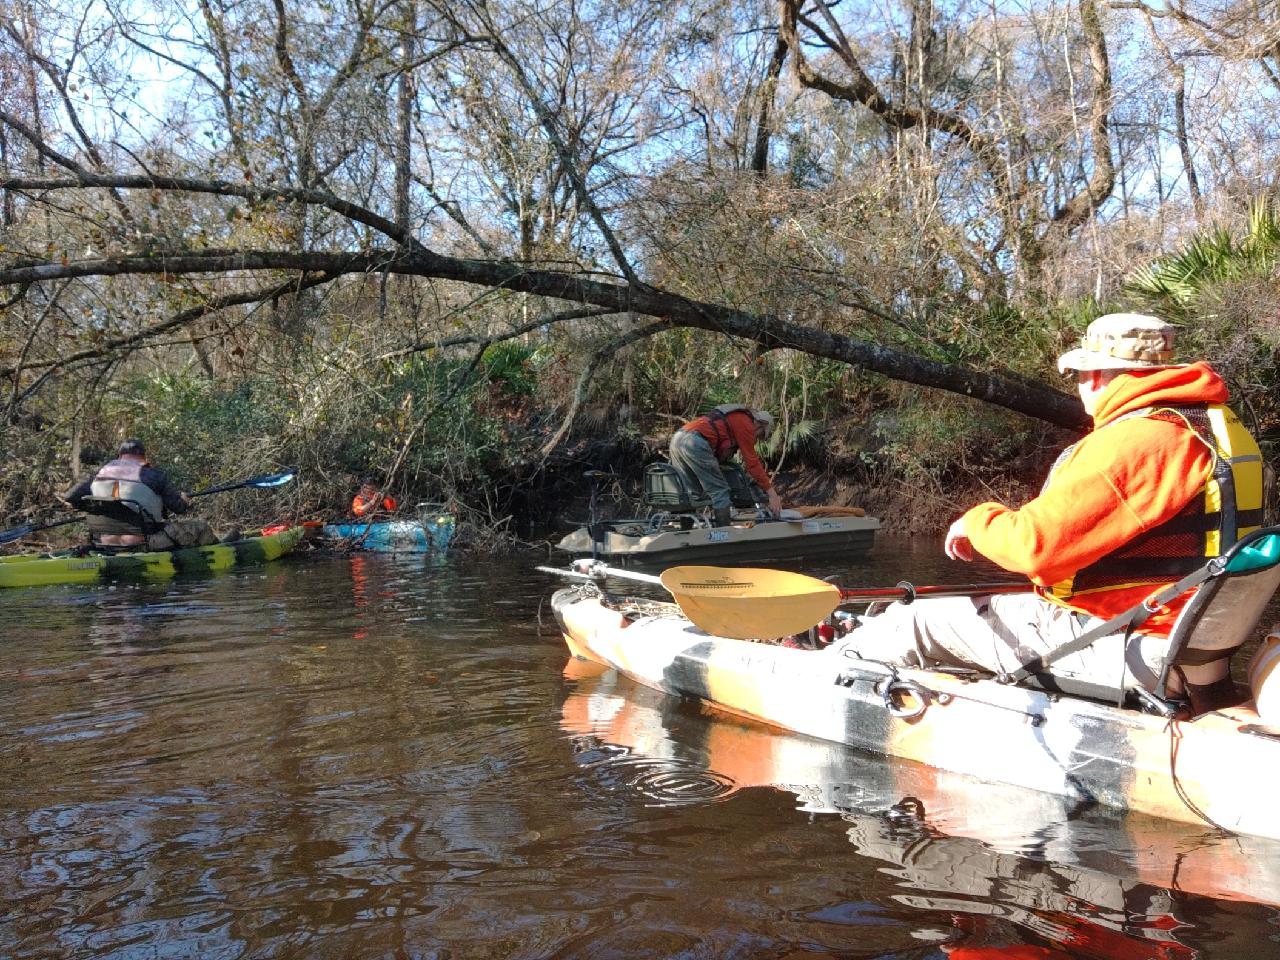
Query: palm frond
[1174, 284]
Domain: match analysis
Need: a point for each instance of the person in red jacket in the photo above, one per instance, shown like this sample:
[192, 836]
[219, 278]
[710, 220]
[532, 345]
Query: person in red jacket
[366, 500]
[699, 447]
[1167, 479]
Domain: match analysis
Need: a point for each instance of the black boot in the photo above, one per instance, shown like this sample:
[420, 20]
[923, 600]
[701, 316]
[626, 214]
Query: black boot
[724, 517]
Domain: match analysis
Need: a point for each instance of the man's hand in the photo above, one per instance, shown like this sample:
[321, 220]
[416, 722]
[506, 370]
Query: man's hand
[775, 502]
[956, 544]
[186, 498]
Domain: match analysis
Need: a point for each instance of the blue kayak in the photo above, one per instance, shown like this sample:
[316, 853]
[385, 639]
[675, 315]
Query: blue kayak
[429, 534]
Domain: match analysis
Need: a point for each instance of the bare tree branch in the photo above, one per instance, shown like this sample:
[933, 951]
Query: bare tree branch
[85, 178]
[863, 90]
[1084, 204]
[769, 331]
[568, 157]
[58, 79]
[212, 305]
[546, 320]
[606, 352]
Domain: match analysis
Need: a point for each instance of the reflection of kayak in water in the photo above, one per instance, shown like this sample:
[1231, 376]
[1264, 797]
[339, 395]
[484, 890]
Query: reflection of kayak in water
[77, 566]
[1102, 882]
[1220, 768]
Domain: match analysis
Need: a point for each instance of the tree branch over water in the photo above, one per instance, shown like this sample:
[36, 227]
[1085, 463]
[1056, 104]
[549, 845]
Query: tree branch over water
[770, 332]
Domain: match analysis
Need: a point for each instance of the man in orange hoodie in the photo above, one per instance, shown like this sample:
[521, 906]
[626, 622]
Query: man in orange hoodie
[1167, 479]
[699, 447]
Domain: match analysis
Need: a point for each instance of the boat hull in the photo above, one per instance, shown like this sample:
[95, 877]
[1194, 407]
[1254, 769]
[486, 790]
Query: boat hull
[1189, 771]
[397, 536]
[631, 544]
[950, 833]
[50, 569]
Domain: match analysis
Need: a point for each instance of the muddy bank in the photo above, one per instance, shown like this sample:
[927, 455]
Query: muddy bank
[559, 500]
[532, 505]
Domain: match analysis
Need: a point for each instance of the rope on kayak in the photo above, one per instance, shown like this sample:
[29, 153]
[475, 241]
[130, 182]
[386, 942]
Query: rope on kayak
[629, 606]
[1175, 738]
[641, 607]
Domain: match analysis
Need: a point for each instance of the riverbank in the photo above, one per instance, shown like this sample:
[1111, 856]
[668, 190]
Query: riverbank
[525, 502]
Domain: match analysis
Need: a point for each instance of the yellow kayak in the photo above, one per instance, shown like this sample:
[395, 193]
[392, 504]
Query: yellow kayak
[75, 567]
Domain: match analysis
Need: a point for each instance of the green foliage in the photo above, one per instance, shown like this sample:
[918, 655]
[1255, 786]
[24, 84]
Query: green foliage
[1175, 286]
[513, 367]
[189, 424]
[1222, 288]
[937, 445]
[801, 438]
[434, 425]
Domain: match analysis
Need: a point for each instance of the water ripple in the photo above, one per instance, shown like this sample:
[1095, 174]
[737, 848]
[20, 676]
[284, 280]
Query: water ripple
[661, 782]
[364, 756]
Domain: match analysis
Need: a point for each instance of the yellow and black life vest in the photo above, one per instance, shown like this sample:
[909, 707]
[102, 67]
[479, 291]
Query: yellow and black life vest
[1226, 507]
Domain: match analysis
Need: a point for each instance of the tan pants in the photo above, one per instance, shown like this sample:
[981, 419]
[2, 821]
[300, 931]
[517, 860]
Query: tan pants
[1000, 633]
[192, 532]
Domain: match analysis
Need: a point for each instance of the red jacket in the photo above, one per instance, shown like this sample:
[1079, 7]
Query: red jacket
[1116, 484]
[360, 506]
[742, 430]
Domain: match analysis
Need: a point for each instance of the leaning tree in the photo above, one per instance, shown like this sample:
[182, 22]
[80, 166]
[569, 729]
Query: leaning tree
[618, 170]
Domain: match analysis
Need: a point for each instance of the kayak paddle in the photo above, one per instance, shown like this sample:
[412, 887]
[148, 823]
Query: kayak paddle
[745, 603]
[265, 481]
[17, 533]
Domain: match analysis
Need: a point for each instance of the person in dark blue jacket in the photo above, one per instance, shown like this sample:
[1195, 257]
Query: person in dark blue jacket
[146, 491]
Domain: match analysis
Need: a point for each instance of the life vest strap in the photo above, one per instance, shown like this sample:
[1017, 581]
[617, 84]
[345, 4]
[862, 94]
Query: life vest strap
[1197, 523]
[1128, 621]
[111, 516]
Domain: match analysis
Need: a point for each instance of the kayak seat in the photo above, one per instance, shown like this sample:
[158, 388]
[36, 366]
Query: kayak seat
[108, 516]
[666, 490]
[1220, 619]
[1232, 592]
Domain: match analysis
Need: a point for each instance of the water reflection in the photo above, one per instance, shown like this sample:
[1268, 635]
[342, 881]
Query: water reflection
[1013, 873]
[323, 758]
[262, 763]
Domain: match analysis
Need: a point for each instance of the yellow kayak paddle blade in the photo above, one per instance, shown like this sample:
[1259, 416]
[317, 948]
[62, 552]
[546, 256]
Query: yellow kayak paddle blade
[743, 603]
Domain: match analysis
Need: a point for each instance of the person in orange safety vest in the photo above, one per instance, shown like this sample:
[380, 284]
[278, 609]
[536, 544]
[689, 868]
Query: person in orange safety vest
[699, 447]
[366, 500]
[1167, 479]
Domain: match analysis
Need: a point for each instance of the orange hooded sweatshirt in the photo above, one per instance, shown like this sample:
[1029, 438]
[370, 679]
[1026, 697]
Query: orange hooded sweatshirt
[361, 507]
[1118, 483]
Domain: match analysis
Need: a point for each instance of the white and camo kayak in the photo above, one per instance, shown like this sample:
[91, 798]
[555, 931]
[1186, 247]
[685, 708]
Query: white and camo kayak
[1222, 768]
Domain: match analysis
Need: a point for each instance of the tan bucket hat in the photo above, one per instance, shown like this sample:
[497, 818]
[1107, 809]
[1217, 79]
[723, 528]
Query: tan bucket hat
[764, 417]
[1123, 341]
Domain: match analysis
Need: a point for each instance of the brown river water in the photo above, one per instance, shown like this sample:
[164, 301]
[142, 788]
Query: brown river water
[368, 756]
